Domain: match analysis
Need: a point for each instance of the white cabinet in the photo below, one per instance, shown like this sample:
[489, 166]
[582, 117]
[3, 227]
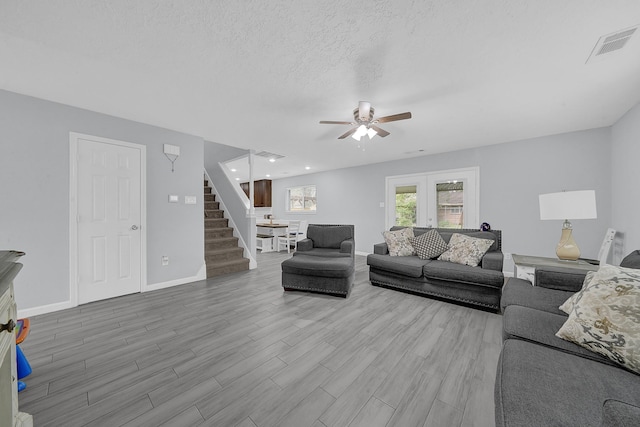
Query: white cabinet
[9, 414]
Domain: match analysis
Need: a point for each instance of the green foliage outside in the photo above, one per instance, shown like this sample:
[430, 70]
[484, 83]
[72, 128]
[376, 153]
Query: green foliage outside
[406, 209]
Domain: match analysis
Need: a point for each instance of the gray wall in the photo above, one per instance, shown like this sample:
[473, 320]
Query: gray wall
[625, 189]
[512, 175]
[34, 194]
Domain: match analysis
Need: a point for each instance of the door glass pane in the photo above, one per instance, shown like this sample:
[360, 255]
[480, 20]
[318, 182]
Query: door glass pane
[450, 204]
[406, 206]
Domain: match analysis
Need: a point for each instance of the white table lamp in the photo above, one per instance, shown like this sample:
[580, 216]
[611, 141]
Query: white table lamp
[568, 205]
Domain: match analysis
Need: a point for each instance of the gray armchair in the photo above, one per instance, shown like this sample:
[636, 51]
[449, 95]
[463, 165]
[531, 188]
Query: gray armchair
[328, 240]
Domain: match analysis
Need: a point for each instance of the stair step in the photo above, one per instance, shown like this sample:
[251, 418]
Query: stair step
[218, 232]
[225, 254]
[220, 243]
[211, 205]
[209, 197]
[213, 213]
[210, 223]
[235, 266]
[208, 190]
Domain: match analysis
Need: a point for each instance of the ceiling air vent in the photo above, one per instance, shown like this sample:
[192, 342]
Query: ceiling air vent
[611, 42]
[269, 155]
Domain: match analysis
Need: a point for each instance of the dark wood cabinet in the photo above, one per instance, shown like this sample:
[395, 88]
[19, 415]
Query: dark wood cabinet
[262, 192]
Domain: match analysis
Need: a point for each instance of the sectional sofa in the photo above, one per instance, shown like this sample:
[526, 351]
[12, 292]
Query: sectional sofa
[543, 380]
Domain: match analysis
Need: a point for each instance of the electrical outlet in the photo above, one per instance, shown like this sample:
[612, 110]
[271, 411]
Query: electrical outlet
[507, 256]
[165, 260]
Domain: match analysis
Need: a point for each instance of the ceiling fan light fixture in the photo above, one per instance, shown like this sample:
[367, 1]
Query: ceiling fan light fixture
[371, 132]
[362, 131]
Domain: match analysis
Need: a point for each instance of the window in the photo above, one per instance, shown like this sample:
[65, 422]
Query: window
[301, 199]
[450, 197]
[406, 205]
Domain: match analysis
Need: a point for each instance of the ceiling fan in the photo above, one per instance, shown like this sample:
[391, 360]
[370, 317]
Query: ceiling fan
[364, 122]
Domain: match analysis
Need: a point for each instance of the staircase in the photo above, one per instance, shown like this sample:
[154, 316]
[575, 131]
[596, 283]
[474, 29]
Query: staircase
[221, 251]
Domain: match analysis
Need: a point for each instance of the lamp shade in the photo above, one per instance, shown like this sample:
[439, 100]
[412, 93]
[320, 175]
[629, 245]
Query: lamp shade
[568, 205]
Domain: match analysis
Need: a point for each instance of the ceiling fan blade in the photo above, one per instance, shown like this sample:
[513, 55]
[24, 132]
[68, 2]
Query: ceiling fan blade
[381, 132]
[351, 132]
[394, 117]
[330, 122]
[364, 110]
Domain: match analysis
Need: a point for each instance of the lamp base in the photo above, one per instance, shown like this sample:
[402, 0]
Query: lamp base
[567, 248]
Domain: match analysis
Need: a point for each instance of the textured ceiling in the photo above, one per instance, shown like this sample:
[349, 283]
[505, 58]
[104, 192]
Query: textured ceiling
[261, 74]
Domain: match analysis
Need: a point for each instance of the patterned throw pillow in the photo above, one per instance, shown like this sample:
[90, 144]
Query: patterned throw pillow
[466, 250]
[429, 245]
[567, 306]
[606, 316]
[398, 242]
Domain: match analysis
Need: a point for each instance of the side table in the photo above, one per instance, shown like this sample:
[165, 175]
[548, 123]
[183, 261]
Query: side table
[525, 266]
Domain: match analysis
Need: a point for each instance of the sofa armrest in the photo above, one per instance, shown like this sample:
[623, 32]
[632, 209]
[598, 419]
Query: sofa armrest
[493, 260]
[619, 414]
[346, 247]
[304, 245]
[560, 278]
[380, 249]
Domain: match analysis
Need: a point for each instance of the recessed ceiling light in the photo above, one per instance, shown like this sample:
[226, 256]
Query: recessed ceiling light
[272, 160]
[233, 170]
[307, 167]
[237, 179]
[268, 176]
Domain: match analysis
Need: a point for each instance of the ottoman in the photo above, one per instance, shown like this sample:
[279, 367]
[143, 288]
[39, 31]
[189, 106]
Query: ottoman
[328, 275]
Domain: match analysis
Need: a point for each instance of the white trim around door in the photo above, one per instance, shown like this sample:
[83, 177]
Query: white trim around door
[74, 141]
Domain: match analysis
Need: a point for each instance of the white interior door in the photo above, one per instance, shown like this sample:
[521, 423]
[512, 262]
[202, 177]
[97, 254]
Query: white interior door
[109, 219]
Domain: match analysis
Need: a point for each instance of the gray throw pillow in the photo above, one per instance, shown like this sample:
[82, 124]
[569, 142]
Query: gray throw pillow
[429, 245]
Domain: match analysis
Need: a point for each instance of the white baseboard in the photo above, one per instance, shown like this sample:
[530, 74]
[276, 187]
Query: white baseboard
[44, 309]
[50, 308]
[201, 275]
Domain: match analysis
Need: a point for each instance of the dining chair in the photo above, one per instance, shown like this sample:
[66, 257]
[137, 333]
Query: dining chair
[290, 237]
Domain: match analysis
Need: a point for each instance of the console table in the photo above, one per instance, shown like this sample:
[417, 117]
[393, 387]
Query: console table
[525, 266]
[9, 414]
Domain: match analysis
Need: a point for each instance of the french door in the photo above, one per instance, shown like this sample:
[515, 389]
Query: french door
[443, 199]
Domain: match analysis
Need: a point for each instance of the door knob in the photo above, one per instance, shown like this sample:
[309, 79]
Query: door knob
[134, 227]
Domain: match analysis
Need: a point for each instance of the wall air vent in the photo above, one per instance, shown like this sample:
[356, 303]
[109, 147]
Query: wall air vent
[611, 42]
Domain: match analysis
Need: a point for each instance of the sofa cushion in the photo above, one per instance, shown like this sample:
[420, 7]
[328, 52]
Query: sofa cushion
[465, 250]
[606, 317]
[399, 241]
[429, 245]
[329, 236]
[540, 327]
[451, 272]
[620, 414]
[318, 266]
[632, 260]
[410, 266]
[539, 386]
[521, 292]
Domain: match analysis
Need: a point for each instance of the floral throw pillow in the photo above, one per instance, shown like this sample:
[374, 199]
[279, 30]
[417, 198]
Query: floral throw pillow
[429, 245]
[464, 249]
[605, 317]
[398, 242]
[568, 304]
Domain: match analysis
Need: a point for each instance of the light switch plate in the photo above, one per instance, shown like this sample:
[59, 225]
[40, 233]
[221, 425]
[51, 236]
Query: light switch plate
[173, 198]
[189, 200]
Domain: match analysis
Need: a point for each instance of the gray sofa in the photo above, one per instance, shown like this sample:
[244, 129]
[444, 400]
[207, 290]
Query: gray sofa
[543, 380]
[324, 262]
[479, 286]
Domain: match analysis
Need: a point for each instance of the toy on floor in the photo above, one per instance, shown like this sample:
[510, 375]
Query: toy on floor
[23, 366]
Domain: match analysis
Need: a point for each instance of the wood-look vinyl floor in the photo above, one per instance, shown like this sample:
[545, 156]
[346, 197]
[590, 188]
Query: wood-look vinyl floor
[238, 351]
